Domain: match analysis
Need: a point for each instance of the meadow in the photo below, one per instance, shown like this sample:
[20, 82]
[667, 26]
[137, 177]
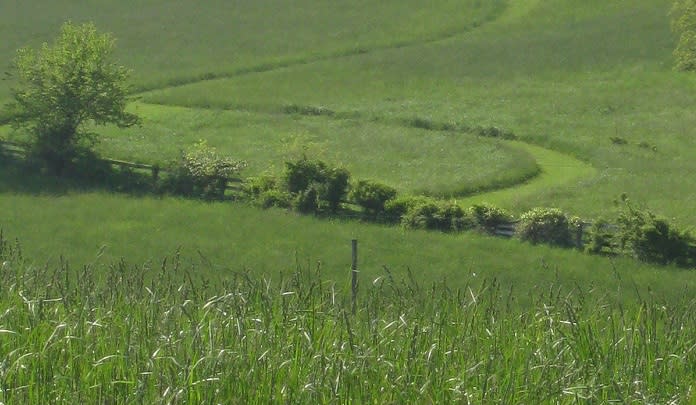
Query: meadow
[394, 91]
[302, 338]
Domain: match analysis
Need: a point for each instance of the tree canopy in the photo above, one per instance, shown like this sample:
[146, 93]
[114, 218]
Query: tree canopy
[64, 87]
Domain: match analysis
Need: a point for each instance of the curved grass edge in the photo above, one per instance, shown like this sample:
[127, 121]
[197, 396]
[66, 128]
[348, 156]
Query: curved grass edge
[557, 169]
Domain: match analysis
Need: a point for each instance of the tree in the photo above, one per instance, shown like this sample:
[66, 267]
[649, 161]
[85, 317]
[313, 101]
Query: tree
[684, 25]
[65, 87]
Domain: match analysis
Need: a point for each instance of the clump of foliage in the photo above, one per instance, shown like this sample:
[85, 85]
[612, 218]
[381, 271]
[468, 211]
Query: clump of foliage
[372, 196]
[427, 213]
[454, 218]
[549, 225]
[63, 88]
[422, 215]
[395, 208]
[653, 239]
[264, 192]
[684, 25]
[601, 238]
[487, 217]
[202, 172]
[315, 185]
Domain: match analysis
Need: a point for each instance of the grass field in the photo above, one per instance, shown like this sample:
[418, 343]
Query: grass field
[299, 340]
[564, 77]
[393, 91]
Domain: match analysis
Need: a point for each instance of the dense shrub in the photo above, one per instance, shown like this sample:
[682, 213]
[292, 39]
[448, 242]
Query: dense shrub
[546, 225]
[300, 174]
[307, 201]
[601, 237]
[652, 239]
[431, 214]
[396, 208]
[453, 217]
[330, 185]
[334, 187]
[254, 186]
[487, 217]
[372, 196]
[422, 215]
[202, 172]
[274, 198]
[263, 191]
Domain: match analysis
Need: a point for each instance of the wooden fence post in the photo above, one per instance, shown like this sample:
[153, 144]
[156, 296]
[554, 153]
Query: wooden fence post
[354, 274]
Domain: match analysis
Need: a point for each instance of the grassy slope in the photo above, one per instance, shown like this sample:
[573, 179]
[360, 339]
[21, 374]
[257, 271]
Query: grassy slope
[411, 159]
[174, 41]
[561, 74]
[529, 74]
[228, 238]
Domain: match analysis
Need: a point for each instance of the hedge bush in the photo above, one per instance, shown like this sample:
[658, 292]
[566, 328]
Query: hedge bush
[372, 196]
[397, 207]
[304, 178]
[202, 172]
[546, 225]
[652, 239]
[487, 217]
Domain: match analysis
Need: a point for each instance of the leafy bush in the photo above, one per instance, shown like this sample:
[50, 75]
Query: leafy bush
[334, 187]
[546, 225]
[329, 184]
[658, 242]
[652, 239]
[427, 213]
[307, 201]
[274, 198]
[423, 215]
[263, 192]
[255, 186]
[601, 238]
[453, 217]
[372, 196]
[397, 207]
[300, 174]
[487, 217]
[202, 172]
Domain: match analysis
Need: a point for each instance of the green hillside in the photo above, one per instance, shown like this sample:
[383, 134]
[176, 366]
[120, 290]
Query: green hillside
[565, 77]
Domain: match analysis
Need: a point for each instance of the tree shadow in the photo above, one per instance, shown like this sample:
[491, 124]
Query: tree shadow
[89, 173]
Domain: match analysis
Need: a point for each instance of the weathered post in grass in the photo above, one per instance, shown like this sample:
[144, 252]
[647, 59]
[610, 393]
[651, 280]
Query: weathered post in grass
[354, 274]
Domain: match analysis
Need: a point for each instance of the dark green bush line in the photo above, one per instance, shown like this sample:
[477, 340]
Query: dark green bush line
[313, 187]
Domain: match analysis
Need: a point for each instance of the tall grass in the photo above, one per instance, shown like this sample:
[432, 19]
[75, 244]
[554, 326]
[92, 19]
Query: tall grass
[122, 338]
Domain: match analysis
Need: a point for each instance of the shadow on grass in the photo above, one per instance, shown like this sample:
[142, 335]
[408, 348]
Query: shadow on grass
[88, 174]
